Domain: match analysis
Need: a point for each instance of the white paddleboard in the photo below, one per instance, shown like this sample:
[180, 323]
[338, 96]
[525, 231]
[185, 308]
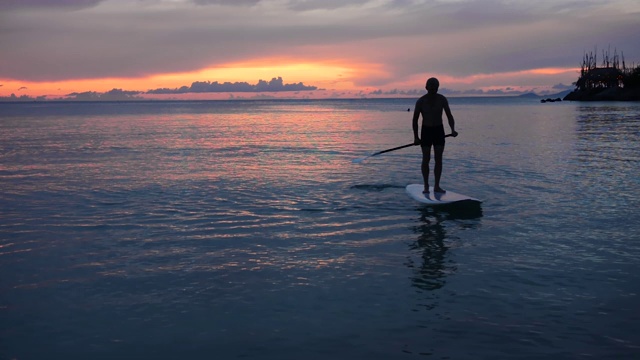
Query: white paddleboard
[434, 198]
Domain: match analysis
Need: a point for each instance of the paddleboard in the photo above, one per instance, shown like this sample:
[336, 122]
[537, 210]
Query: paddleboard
[434, 198]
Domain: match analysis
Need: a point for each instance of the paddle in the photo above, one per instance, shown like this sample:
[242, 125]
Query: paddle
[359, 160]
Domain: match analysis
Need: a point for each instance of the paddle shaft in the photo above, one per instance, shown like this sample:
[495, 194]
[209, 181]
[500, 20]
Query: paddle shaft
[394, 149]
[399, 147]
[388, 150]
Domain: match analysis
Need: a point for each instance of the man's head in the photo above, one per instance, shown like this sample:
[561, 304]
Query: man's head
[432, 85]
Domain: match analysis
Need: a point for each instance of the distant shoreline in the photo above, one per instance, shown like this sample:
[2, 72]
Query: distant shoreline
[529, 95]
[144, 100]
[611, 94]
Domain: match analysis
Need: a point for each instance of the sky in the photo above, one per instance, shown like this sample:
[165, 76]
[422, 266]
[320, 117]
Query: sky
[199, 49]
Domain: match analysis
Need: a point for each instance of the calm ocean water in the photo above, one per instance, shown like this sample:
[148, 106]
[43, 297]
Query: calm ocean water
[228, 230]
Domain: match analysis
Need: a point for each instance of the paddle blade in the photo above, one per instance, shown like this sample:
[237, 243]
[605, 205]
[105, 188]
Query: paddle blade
[359, 160]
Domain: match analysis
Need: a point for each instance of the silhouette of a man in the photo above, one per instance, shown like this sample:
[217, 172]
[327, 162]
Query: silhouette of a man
[431, 106]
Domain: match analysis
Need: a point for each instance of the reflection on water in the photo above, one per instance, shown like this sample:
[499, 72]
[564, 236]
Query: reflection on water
[606, 152]
[435, 231]
[604, 125]
[430, 273]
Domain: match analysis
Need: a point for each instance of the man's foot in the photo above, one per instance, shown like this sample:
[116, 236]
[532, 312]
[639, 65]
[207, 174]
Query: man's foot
[426, 189]
[438, 189]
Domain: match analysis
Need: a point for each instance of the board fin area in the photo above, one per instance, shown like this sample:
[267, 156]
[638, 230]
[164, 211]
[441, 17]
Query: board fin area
[434, 198]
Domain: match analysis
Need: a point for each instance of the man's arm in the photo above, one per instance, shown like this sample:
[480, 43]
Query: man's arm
[416, 116]
[452, 122]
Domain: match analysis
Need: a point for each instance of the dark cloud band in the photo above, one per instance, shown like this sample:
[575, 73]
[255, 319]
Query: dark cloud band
[275, 85]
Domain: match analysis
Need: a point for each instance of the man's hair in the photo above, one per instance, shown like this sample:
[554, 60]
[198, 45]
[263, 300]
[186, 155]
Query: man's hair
[432, 82]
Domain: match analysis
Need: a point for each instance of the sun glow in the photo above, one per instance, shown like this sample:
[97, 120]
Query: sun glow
[337, 76]
[309, 73]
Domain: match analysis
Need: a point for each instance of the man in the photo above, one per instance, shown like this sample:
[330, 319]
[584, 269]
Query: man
[431, 107]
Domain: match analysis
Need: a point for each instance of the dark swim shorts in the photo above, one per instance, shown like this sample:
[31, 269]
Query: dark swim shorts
[432, 136]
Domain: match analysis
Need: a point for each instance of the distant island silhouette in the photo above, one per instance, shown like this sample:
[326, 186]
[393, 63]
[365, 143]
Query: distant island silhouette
[611, 81]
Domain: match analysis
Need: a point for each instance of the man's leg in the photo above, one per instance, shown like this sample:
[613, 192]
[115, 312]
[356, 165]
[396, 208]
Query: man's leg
[426, 157]
[438, 150]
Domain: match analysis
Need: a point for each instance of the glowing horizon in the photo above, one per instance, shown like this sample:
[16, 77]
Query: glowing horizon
[329, 78]
[335, 75]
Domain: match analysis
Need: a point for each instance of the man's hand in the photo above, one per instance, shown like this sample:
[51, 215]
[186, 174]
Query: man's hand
[454, 133]
[416, 141]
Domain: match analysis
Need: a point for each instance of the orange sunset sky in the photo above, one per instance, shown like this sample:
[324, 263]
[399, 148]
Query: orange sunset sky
[329, 48]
